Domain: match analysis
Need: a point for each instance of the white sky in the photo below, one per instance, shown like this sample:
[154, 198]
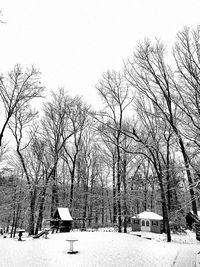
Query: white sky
[73, 42]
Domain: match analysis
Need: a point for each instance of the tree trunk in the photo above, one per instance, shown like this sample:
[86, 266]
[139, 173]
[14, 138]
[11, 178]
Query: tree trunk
[164, 206]
[114, 192]
[72, 173]
[187, 166]
[32, 211]
[168, 177]
[152, 196]
[18, 212]
[119, 190]
[85, 208]
[54, 197]
[91, 201]
[125, 194]
[16, 221]
[102, 207]
[137, 206]
[41, 211]
[13, 223]
[145, 195]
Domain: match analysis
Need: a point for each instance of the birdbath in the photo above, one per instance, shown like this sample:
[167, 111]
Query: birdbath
[20, 232]
[71, 240]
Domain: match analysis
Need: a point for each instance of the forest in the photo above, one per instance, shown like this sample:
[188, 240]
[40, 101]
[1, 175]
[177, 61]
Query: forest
[139, 152]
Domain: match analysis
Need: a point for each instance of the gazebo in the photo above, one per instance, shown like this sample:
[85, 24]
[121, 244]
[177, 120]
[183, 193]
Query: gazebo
[147, 221]
[62, 220]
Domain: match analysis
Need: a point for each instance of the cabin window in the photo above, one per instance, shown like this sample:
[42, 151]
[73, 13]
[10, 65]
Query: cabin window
[147, 223]
[136, 221]
[155, 223]
[143, 223]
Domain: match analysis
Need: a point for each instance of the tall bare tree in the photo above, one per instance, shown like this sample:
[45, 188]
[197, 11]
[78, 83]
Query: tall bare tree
[187, 57]
[78, 115]
[30, 168]
[115, 95]
[151, 75]
[58, 126]
[17, 89]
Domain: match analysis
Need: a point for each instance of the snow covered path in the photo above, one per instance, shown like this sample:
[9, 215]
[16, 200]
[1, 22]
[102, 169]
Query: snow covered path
[186, 256]
[96, 249]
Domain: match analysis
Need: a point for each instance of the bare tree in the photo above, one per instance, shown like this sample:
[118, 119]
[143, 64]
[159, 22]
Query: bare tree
[78, 120]
[19, 123]
[108, 148]
[115, 95]
[187, 57]
[154, 79]
[58, 127]
[17, 89]
[150, 149]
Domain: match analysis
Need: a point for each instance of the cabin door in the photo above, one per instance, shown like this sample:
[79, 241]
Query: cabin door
[145, 225]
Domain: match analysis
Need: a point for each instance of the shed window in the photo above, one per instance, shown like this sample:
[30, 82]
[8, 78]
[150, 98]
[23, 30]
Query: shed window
[155, 223]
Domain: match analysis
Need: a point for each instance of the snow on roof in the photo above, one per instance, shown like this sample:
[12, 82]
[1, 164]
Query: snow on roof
[148, 215]
[64, 214]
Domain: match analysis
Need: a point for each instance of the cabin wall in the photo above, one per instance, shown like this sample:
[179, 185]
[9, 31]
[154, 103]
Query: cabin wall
[156, 226]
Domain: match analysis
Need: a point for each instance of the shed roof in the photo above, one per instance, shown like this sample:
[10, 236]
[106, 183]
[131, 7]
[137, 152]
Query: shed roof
[64, 214]
[148, 215]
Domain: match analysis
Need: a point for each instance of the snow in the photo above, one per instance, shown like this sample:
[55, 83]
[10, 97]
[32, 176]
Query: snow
[148, 215]
[188, 246]
[64, 214]
[95, 249]
[184, 238]
[186, 256]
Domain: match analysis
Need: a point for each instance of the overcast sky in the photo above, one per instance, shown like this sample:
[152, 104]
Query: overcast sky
[73, 42]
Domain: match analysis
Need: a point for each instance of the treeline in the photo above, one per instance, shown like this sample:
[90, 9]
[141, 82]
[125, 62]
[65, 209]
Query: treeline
[140, 152]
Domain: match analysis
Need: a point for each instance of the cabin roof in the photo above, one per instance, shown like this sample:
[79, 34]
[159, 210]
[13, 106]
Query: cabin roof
[63, 214]
[148, 215]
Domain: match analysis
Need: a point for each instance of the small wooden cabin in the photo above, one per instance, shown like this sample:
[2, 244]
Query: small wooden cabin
[147, 221]
[62, 220]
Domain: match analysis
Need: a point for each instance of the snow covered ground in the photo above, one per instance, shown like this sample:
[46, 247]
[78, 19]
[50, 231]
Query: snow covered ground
[184, 238]
[96, 249]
